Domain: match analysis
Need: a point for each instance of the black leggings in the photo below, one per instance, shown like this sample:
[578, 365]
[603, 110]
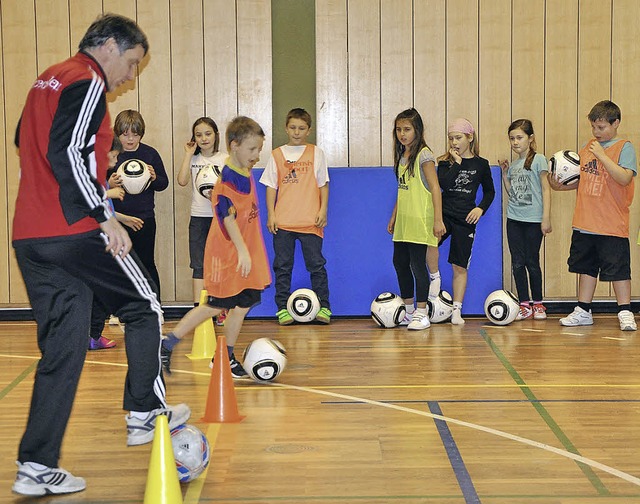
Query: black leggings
[524, 240]
[409, 260]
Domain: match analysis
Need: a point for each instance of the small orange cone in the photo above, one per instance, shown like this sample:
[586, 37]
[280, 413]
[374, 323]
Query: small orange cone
[204, 337]
[222, 406]
[163, 485]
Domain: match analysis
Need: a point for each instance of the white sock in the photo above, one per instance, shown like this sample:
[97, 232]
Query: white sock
[409, 308]
[36, 466]
[424, 311]
[434, 286]
[456, 316]
[139, 414]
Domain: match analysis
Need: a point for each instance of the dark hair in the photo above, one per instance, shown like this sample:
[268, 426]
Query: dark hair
[211, 123]
[129, 120]
[116, 144]
[606, 110]
[419, 143]
[298, 113]
[527, 127]
[240, 128]
[123, 30]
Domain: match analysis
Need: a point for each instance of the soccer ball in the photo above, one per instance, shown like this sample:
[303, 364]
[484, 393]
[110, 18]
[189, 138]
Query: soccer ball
[264, 359]
[387, 310]
[441, 308]
[206, 179]
[565, 167]
[303, 305]
[190, 451]
[501, 307]
[135, 176]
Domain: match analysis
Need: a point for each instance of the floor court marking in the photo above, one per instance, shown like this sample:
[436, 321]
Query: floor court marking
[495, 432]
[612, 338]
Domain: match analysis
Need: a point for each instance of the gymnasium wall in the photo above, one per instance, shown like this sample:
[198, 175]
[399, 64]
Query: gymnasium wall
[488, 60]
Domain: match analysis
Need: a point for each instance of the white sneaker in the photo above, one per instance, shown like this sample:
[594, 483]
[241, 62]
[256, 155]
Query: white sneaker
[577, 317]
[141, 430]
[419, 321]
[407, 319]
[456, 317]
[627, 321]
[434, 288]
[113, 320]
[50, 480]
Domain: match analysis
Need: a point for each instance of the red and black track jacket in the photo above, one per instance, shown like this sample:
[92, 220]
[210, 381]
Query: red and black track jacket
[64, 136]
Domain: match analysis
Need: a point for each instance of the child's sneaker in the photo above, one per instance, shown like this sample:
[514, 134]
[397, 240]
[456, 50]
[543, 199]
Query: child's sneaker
[101, 343]
[237, 371]
[578, 317]
[141, 430]
[50, 480]
[456, 317]
[419, 321]
[284, 317]
[627, 321]
[165, 358]
[221, 317]
[324, 315]
[406, 320]
[525, 312]
[113, 320]
[539, 311]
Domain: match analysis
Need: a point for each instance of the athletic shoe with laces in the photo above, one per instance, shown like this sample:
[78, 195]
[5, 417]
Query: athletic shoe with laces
[50, 480]
[324, 315]
[237, 371]
[539, 311]
[284, 317]
[525, 312]
[627, 321]
[101, 343]
[406, 320]
[165, 358]
[419, 321]
[578, 317]
[141, 430]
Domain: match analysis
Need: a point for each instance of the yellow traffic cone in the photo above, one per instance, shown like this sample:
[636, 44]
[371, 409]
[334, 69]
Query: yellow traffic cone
[204, 337]
[163, 485]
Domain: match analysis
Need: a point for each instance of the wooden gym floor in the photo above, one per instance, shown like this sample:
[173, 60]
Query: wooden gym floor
[528, 413]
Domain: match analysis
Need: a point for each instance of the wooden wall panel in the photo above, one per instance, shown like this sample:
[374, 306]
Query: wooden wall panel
[52, 32]
[364, 133]
[396, 69]
[156, 107]
[81, 14]
[331, 80]
[626, 75]
[254, 66]
[462, 60]
[561, 115]
[429, 70]
[5, 242]
[594, 51]
[20, 71]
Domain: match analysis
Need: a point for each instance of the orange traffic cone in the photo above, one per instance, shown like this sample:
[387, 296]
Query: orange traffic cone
[222, 406]
[163, 485]
[204, 337]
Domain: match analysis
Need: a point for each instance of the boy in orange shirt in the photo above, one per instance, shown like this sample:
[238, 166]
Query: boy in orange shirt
[297, 180]
[600, 240]
[236, 269]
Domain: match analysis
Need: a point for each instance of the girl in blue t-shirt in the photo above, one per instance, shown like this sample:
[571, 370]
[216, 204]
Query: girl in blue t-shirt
[528, 215]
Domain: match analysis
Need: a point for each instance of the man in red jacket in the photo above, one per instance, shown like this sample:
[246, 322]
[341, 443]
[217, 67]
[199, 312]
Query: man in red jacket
[70, 247]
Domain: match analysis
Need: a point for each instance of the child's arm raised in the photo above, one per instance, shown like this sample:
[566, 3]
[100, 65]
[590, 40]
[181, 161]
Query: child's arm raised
[621, 175]
[504, 166]
[185, 168]
[244, 258]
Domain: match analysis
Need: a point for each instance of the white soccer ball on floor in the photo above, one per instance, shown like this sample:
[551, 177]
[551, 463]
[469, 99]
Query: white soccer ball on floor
[303, 305]
[501, 307]
[441, 308]
[264, 359]
[565, 167]
[387, 310]
[135, 176]
[206, 179]
[190, 450]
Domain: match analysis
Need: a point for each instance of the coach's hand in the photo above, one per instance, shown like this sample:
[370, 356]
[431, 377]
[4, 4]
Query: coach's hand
[119, 241]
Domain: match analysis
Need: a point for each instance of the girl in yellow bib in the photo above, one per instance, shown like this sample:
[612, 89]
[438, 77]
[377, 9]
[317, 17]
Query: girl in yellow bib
[416, 222]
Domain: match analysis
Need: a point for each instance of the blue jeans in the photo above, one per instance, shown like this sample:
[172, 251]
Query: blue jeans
[284, 245]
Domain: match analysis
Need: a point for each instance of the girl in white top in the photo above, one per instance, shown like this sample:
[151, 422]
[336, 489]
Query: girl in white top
[201, 151]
